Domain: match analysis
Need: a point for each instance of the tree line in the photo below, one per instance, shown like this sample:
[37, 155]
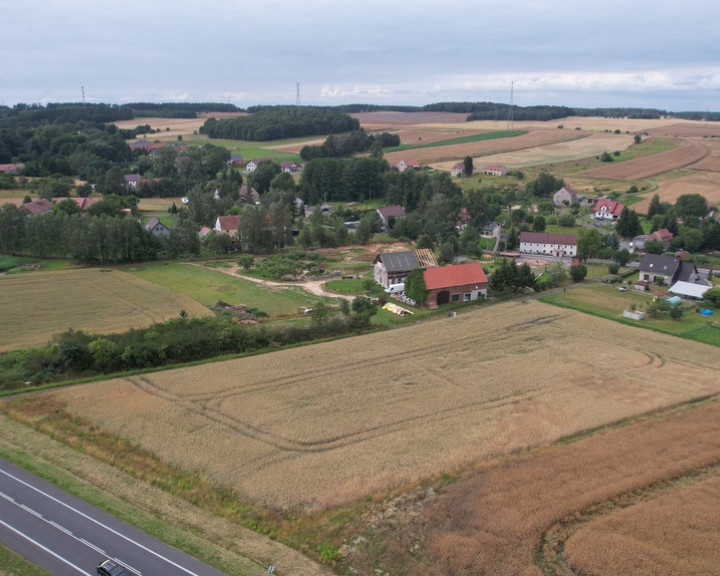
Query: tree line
[337, 145]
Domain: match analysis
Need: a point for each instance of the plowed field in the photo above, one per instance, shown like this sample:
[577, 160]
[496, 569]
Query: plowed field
[704, 183]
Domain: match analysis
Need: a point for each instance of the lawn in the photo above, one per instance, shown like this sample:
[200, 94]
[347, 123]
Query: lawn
[210, 286]
[605, 301]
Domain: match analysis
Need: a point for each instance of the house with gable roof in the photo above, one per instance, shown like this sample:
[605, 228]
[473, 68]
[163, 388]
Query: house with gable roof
[403, 165]
[395, 211]
[607, 210]
[666, 270]
[565, 196]
[549, 244]
[157, 228]
[495, 169]
[227, 224]
[35, 207]
[458, 283]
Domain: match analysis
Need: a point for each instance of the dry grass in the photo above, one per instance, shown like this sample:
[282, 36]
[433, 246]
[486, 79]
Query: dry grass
[326, 425]
[677, 533]
[36, 305]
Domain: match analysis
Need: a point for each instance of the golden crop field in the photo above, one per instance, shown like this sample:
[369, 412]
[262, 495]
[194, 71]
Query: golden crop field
[36, 305]
[318, 426]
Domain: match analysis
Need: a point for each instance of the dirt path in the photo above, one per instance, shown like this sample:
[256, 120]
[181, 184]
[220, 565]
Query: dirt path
[315, 287]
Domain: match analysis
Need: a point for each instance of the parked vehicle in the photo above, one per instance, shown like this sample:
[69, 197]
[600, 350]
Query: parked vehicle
[395, 288]
[623, 288]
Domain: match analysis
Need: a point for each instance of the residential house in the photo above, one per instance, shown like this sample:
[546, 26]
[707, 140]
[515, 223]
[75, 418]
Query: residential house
[664, 236]
[249, 194]
[491, 230]
[403, 165]
[141, 145]
[495, 170]
[205, 232]
[236, 161]
[132, 180]
[463, 219]
[607, 210]
[157, 228]
[255, 162]
[565, 196]
[227, 224]
[290, 167]
[394, 211]
[11, 168]
[458, 170]
[667, 270]
[550, 244]
[35, 207]
[155, 147]
[638, 243]
[392, 267]
[457, 283]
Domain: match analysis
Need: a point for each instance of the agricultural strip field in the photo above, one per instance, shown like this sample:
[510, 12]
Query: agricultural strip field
[37, 305]
[313, 427]
[705, 183]
[687, 153]
[208, 286]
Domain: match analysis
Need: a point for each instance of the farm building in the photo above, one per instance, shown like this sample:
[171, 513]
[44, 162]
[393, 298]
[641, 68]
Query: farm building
[565, 196]
[11, 168]
[689, 290]
[236, 161]
[82, 203]
[36, 207]
[458, 170]
[248, 194]
[157, 228]
[132, 180]
[458, 283]
[495, 170]
[392, 267]
[254, 163]
[290, 167]
[608, 210]
[549, 244]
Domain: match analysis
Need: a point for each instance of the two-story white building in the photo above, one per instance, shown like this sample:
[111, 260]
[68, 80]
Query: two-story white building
[548, 244]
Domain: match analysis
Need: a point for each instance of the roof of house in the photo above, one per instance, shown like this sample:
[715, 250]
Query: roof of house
[228, 223]
[83, 203]
[154, 223]
[399, 261]
[457, 275]
[612, 206]
[37, 206]
[664, 235]
[494, 167]
[569, 190]
[394, 210]
[11, 168]
[659, 264]
[254, 196]
[204, 231]
[548, 238]
[132, 177]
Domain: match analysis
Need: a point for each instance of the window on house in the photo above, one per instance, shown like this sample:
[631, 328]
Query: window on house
[456, 297]
[466, 297]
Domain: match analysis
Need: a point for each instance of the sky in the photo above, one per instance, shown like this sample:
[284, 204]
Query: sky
[661, 54]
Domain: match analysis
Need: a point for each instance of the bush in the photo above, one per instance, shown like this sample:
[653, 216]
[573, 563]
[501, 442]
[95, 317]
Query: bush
[614, 268]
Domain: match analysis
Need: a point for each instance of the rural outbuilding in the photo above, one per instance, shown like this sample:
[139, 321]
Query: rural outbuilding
[459, 283]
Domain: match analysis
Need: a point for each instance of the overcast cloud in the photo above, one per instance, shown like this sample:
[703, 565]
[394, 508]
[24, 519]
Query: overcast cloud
[564, 52]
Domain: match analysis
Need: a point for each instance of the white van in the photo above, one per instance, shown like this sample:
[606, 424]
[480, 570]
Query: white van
[395, 288]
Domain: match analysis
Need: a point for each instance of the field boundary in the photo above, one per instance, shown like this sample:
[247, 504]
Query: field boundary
[550, 557]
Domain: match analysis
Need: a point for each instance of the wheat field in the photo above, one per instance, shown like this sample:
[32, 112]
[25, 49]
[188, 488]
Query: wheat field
[36, 305]
[318, 426]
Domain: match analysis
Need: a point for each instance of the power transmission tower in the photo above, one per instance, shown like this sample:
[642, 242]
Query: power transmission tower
[511, 120]
[83, 94]
[297, 94]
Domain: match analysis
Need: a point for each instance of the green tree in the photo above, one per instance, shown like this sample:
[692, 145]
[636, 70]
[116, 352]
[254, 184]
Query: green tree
[622, 257]
[246, 261]
[606, 157]
[364, 231]
[578, 272]
[691, 239]
[628, 224]
[590, 243]
[690, 208]
[415, 286]
[712, 296]
[468, 167]
[539, 224]
[254, 231]
[655, 207]
[654, 247]
[263, 175]
[363, 310]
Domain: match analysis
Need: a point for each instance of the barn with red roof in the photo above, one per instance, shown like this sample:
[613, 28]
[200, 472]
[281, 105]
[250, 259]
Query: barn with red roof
[458, 283]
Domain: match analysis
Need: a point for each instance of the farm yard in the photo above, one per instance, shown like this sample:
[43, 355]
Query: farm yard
[308, 428]
[37, 305]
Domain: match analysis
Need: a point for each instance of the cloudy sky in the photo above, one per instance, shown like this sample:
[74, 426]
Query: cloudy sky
[589, 53]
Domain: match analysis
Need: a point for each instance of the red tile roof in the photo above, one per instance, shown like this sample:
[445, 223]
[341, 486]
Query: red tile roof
[612, 206]
[394, 210]
[457, 275]
[228, 223]
[548, 238]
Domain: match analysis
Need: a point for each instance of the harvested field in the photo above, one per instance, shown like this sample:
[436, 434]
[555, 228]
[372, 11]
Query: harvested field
[687, 130]
[443, 157]
[711, 162]
[498, 518]
[37, 305]
[687, 153]
[584, 146]
[329, 424]
[677, 533]
[704, 183]
[387, 120]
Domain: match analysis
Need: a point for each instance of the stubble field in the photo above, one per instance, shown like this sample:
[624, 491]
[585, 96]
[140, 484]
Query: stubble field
[310, 428]
[36, 305]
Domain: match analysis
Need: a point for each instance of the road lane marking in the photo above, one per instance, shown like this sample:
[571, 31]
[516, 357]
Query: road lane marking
[97, 522]
[52, 553]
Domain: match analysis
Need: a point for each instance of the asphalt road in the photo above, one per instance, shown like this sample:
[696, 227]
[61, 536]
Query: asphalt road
[69, 537]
